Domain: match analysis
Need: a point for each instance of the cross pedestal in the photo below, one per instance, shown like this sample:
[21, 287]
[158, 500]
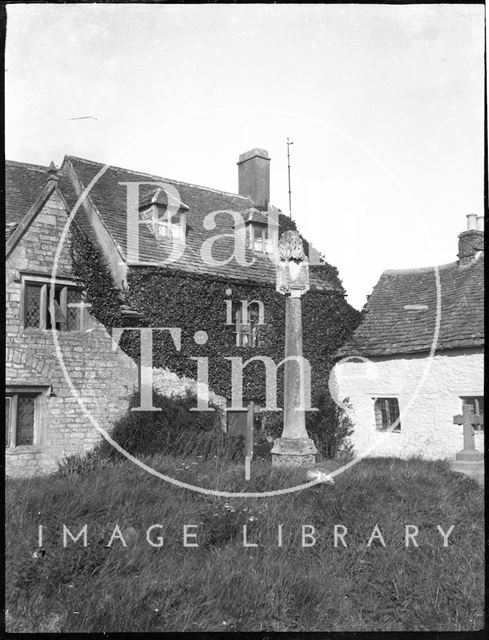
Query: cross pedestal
[469, 460]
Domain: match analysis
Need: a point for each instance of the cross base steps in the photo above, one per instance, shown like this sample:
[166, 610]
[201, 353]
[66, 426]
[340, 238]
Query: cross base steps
[470, 455]
[467, 466]
[293, 452]
[472, 468]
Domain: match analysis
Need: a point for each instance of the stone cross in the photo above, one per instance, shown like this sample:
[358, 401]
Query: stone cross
[469, 460]
[468, 419]
[294, 447]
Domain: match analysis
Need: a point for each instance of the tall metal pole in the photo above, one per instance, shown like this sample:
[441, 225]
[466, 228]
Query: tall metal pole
[288, 168]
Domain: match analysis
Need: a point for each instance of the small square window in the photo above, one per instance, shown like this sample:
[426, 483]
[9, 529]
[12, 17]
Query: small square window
[387, 414]
[20, 419]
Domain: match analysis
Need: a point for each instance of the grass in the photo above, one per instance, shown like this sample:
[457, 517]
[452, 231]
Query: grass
[223, 586]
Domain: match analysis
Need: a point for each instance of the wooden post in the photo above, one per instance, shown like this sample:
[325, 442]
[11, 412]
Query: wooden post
[249, 440]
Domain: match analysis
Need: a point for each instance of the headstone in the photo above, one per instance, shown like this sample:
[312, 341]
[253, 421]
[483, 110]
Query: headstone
[469, 460]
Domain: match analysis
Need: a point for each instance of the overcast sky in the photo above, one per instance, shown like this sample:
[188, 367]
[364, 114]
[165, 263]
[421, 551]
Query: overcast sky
[384, 105]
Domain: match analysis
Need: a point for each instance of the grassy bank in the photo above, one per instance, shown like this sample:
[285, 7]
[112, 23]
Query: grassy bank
[222, 585]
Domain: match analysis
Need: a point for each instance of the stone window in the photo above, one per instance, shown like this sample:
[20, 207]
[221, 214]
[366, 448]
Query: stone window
[387, 414]
[246, 334]
[22, 417]
[57, 306]
[477, 404]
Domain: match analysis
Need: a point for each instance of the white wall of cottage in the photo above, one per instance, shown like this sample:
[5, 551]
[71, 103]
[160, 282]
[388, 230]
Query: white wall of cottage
[428, 391]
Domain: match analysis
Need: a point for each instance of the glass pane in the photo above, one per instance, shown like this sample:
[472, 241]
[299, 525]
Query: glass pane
[8, 406]
[32, 306]
[25, 420]
[73, 313]
[386, 413]
[393, 405]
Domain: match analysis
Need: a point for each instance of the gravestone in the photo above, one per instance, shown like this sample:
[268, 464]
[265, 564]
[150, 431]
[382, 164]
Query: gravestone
[469, 460]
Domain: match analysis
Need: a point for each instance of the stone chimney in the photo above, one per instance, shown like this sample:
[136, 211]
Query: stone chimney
[254, 177]
[471, 242]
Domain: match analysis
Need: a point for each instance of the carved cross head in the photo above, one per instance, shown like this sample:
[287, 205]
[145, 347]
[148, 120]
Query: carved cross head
[290, 247]
[292, 267]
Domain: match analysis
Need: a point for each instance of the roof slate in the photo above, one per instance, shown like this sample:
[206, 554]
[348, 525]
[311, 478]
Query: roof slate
[110, 199]
[389, 328]
[23, 185]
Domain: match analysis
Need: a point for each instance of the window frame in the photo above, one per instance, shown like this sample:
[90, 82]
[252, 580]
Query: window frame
[38, 393]
[44, 283]
[160, 226]
[250, 329]
[389, 429]
[261, 244]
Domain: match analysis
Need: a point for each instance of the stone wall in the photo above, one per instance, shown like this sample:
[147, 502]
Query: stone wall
[84, 383]
[93, 386]
[429, 394]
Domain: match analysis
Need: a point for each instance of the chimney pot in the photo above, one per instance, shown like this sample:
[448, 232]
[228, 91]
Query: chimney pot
[254, 176]
[471, 242]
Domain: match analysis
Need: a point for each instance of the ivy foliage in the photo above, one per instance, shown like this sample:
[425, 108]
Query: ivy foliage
[91, 270]
[192, 302]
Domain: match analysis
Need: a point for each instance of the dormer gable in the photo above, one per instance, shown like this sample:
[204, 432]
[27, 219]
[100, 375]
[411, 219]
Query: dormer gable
[257, 232]
[166, 217]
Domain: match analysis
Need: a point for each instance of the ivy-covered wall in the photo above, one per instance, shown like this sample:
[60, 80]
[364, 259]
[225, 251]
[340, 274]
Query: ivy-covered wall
[194, 303]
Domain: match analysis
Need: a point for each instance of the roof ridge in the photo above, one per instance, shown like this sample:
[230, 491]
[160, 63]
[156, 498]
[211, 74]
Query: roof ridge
[152, 175]
[38, 167]
[418, 269]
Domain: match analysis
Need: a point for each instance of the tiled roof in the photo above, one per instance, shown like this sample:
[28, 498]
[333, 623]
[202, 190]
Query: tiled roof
[23, 185]
[401, 314]
[110, 199]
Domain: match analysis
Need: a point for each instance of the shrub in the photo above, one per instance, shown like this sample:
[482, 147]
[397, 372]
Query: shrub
[174, 430]
[330, 428]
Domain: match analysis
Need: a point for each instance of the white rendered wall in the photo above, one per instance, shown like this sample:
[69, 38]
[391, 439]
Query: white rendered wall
[429, 396]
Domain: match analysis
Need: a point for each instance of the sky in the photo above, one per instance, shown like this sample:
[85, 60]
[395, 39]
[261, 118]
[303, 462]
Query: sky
[384, 105]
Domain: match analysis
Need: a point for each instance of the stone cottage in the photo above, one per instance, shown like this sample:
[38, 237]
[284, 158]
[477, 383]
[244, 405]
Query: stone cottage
[418, 357]
[87, 252]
